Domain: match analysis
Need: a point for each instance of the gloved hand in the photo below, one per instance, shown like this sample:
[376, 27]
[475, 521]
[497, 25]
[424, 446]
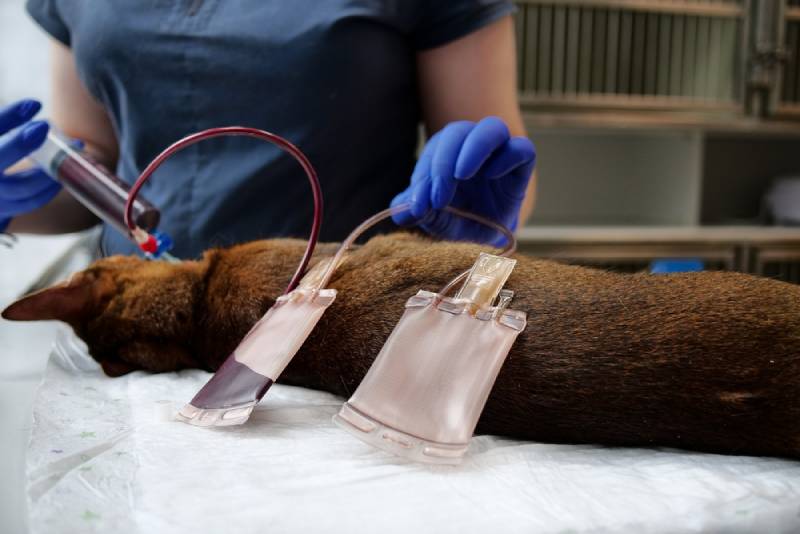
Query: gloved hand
[479, 168]
[30, 189]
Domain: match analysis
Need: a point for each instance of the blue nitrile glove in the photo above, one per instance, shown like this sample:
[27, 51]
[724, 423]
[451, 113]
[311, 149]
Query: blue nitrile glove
[30, 189]
[477, 167]
[676, 265]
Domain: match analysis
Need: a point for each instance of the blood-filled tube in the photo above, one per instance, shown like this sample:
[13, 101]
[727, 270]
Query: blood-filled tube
[100, 191]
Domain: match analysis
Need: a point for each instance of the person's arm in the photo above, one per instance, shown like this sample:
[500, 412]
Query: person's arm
[76, 113]
[472, 78]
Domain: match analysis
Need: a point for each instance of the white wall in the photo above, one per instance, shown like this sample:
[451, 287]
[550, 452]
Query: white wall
[617, 178]
[23, 73]
[23, 55]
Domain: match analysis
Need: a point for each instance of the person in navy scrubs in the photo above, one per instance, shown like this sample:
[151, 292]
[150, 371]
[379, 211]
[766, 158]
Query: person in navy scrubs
[348, 81]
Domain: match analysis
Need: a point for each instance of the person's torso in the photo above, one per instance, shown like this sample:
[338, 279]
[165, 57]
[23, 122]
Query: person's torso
[336, 78]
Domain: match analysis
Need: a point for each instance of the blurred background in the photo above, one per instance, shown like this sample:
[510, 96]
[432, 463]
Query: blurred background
[23, 54]
[23, 72]
[665, 128]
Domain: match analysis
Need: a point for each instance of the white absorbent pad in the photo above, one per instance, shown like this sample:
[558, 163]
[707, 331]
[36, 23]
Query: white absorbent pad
[106, 456]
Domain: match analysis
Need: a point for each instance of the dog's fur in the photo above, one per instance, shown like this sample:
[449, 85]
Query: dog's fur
[707, 361]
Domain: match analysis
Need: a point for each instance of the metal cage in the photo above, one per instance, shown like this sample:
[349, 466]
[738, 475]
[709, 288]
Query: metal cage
[722, 56]
[652, 54]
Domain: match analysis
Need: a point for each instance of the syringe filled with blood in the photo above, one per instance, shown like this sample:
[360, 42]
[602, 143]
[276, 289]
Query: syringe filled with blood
[100, 191]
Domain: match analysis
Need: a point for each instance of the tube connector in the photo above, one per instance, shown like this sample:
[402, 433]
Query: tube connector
[154, 245]
[486, 280]
[150, 245]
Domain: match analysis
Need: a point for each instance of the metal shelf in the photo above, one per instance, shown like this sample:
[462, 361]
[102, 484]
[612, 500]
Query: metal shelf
[682, 235]
[771, 252]
[659, 121]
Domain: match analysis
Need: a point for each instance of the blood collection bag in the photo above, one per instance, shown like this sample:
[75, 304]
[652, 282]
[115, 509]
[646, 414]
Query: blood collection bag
[424, 393]
[246, 375]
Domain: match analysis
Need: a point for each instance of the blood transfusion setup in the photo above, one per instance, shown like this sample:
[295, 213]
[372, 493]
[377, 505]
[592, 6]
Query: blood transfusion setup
[115, 203]
[232, 393]
[424, 393]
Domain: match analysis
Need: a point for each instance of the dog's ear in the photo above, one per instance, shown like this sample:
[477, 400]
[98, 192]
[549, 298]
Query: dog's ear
[73, 301]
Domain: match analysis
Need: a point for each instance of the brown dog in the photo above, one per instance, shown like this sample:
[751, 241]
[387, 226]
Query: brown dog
[707, 361]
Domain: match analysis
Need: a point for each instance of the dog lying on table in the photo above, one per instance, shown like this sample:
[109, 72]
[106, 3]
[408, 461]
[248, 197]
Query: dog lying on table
[706, 361]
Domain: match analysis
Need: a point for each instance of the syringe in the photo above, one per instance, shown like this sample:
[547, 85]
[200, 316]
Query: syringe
[100, 191]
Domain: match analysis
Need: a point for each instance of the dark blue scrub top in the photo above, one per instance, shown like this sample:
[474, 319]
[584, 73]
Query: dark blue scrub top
[335, 77]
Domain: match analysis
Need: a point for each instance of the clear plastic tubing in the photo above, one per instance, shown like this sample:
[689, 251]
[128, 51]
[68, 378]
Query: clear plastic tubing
[100, 191]
[508, 250]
